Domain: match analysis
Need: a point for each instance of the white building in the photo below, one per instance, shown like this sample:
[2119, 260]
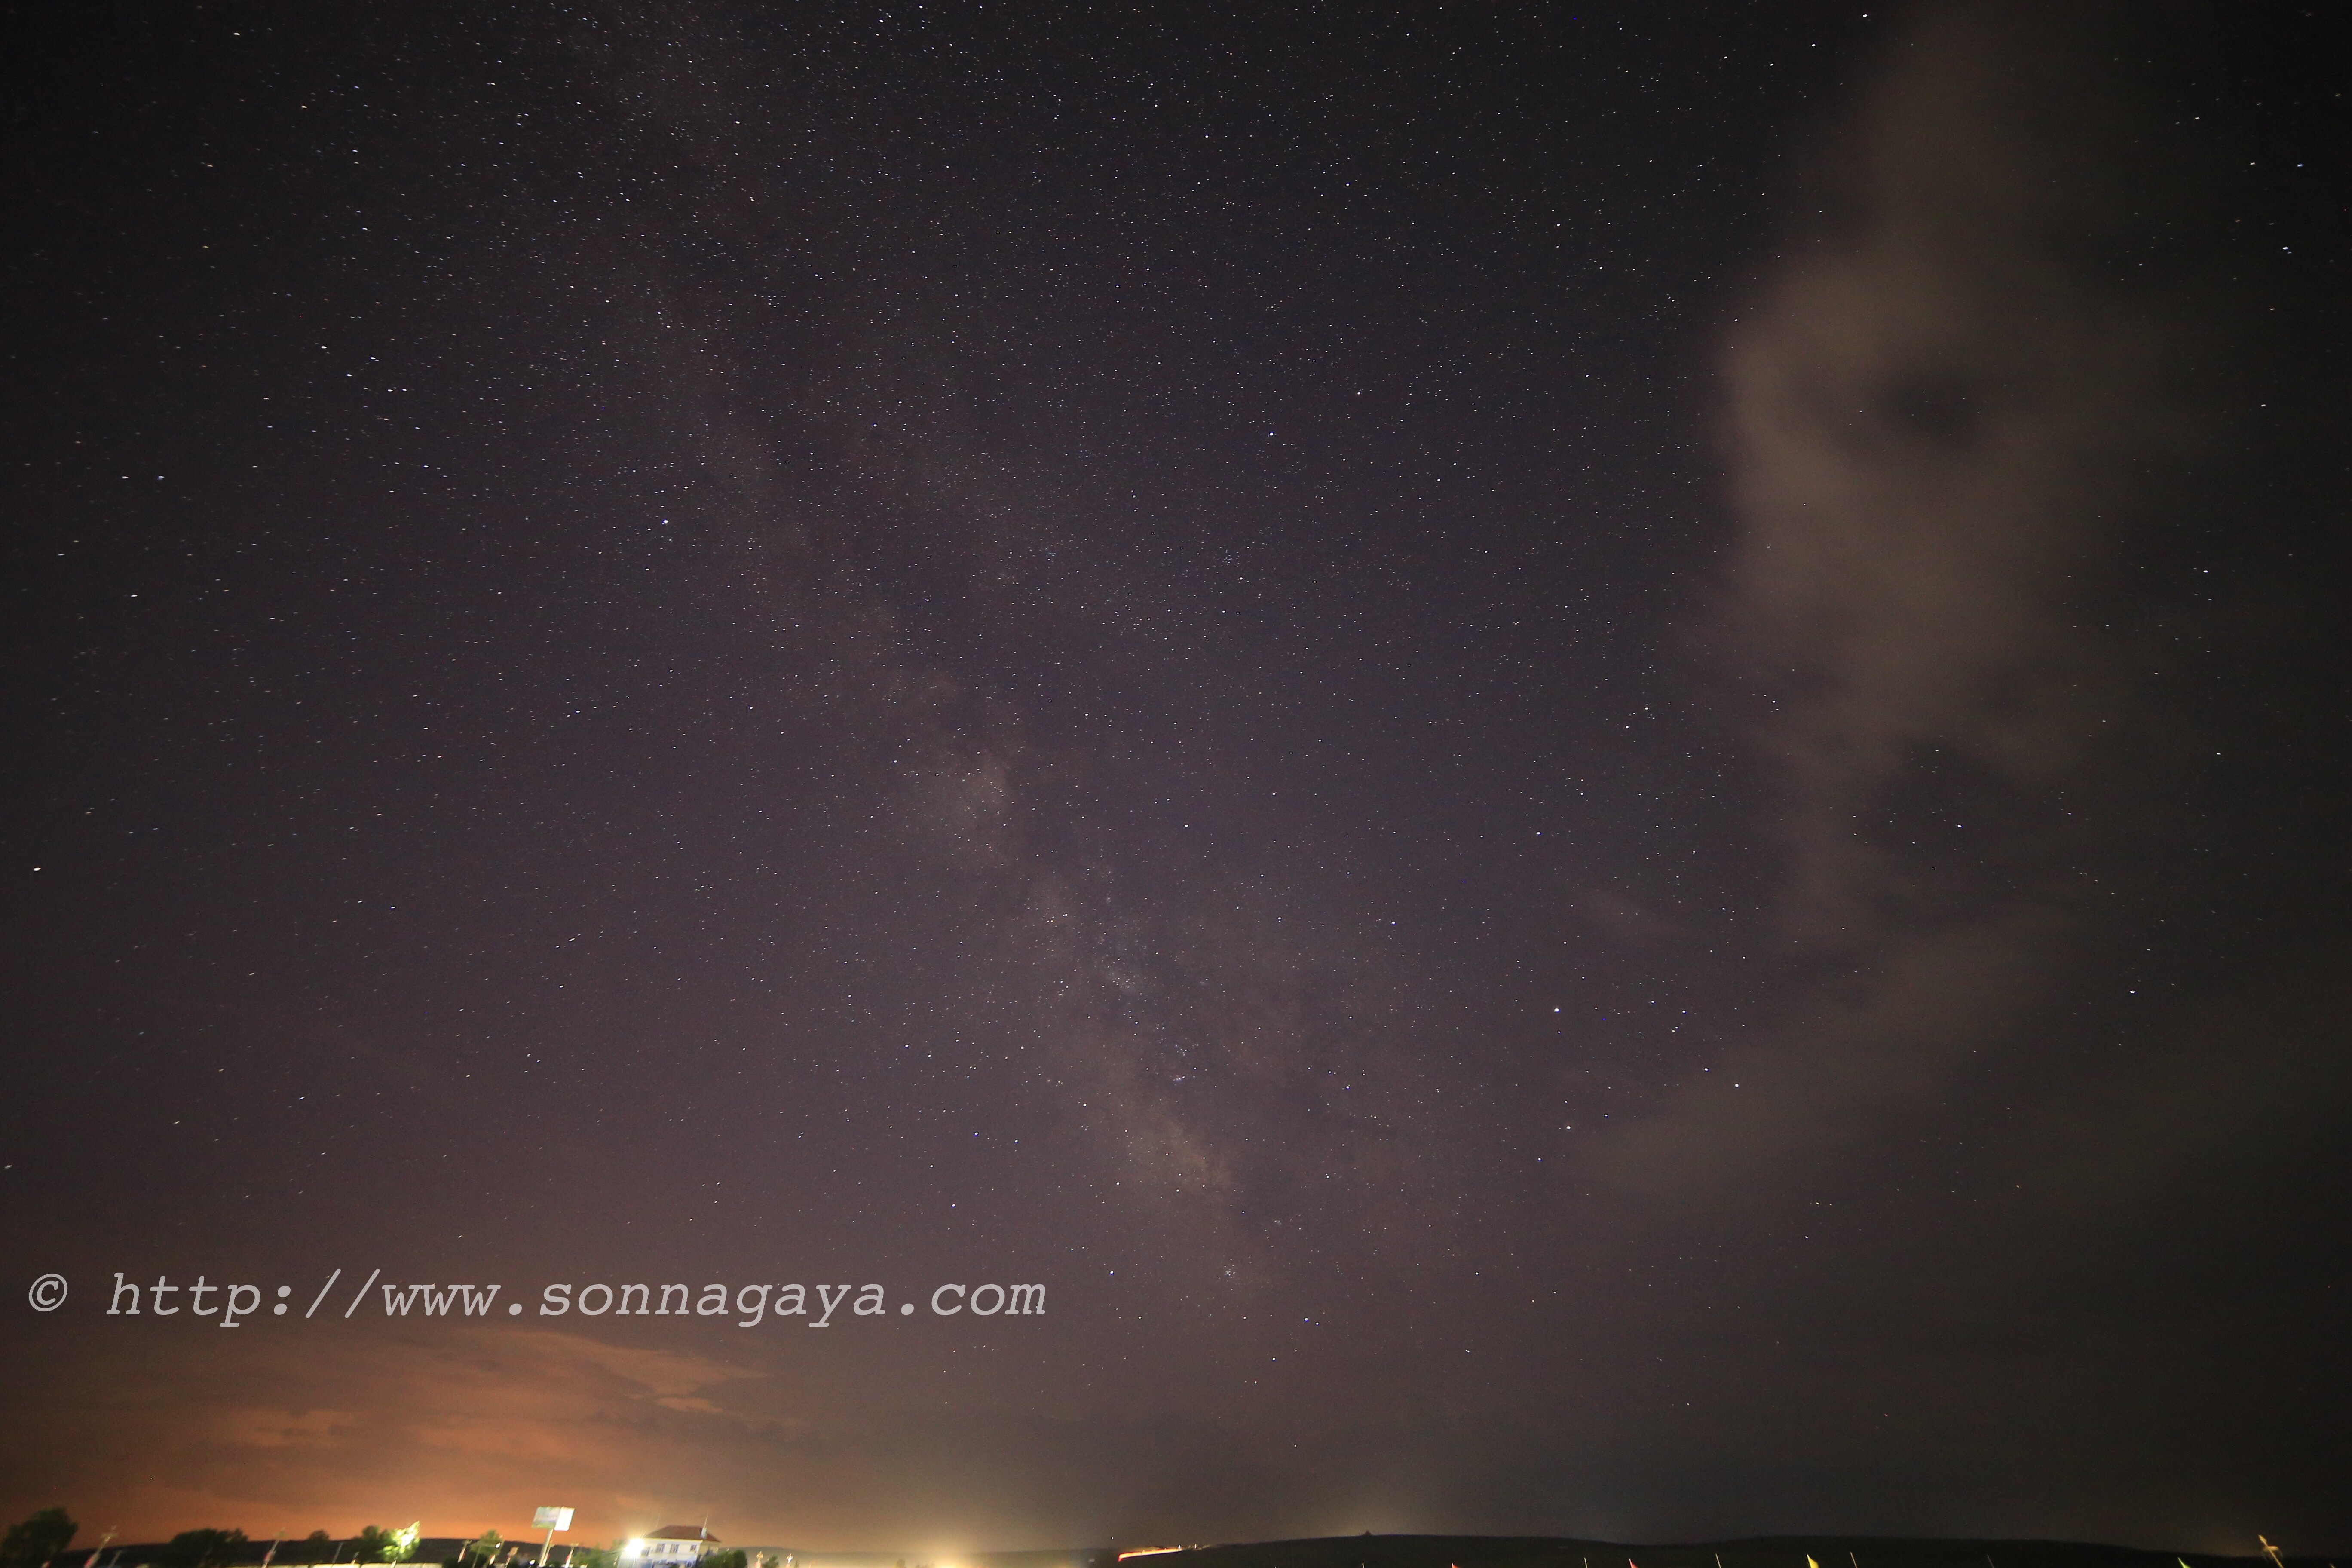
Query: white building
[671, 1546]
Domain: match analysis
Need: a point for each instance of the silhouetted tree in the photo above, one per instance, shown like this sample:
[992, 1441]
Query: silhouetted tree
[38, 1539]
[202, 1548]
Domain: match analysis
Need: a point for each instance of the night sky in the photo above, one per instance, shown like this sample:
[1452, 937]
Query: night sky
[1590, 762]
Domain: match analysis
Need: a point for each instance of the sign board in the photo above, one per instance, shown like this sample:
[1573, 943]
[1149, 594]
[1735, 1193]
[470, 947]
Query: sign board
[551, 1518]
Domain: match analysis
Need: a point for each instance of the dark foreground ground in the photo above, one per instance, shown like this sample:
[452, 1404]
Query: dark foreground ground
[1436, 1552]
[1763, 1551]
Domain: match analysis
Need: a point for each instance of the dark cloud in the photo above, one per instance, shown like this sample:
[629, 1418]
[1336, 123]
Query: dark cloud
[2024, 680]
[1962, 416]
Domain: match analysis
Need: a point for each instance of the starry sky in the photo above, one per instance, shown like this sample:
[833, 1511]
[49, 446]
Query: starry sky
[1587, 760]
